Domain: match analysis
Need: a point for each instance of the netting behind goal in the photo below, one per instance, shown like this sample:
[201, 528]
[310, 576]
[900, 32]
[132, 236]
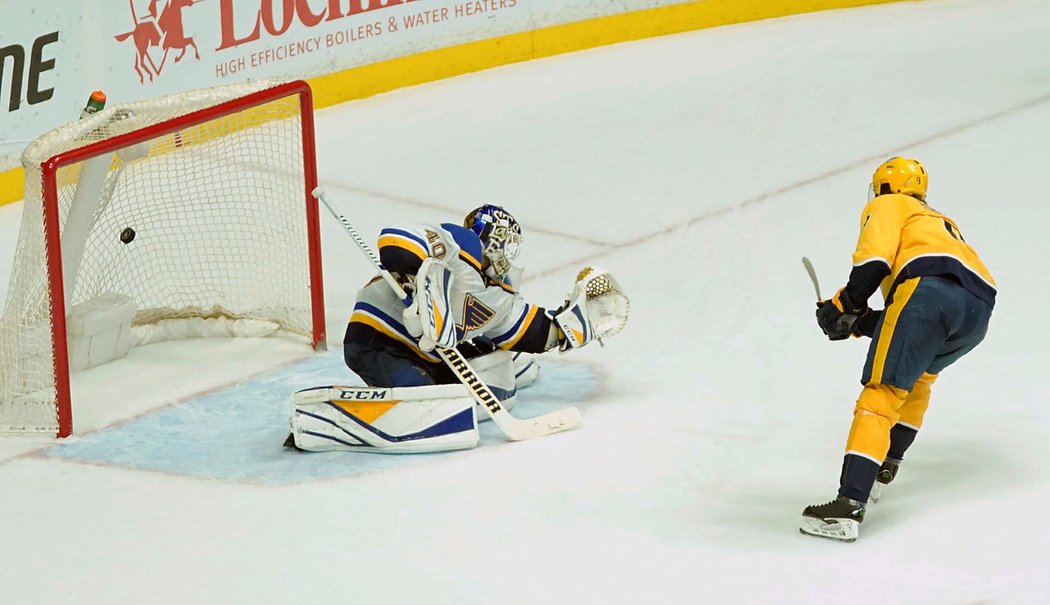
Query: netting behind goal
[192, 210]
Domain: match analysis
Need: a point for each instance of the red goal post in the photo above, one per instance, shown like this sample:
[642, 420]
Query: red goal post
[188, 215]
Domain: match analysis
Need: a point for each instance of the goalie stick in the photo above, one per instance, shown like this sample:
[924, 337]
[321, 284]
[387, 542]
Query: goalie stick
[812, 275]
[516, 429]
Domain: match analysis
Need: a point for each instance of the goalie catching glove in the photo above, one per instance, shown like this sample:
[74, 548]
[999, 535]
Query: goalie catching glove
[597, 308]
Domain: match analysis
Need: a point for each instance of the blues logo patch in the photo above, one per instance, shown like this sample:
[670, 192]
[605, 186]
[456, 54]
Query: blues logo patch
[475, 313]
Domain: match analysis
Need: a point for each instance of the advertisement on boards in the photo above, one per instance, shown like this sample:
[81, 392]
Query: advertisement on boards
[53, 53]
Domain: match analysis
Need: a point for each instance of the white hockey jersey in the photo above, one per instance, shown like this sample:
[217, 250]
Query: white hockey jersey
[481, 307]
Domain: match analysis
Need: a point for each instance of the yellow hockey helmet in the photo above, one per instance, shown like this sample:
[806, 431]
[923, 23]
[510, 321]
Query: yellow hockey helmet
[900, 175]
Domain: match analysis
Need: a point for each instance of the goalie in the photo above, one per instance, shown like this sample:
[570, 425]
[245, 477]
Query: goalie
[463, 289]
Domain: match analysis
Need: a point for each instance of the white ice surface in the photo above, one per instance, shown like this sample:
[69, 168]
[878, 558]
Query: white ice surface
[698, 168]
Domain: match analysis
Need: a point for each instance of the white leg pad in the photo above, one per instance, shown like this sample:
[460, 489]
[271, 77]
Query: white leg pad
[526, 369]
[384, 420]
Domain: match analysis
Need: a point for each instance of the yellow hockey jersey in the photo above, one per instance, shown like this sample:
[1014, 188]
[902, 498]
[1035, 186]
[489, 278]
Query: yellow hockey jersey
[905, 238]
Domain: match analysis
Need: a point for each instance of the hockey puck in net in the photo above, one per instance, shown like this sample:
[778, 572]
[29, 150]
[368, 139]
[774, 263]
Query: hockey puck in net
[127, 235]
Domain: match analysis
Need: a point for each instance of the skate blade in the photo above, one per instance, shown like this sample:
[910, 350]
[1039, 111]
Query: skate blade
[876, 492]
[840, 530]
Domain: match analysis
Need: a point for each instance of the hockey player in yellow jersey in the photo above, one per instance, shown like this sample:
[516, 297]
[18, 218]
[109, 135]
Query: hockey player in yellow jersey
[939, 298]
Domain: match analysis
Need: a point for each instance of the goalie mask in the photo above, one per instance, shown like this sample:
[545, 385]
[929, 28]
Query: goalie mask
[500, 237]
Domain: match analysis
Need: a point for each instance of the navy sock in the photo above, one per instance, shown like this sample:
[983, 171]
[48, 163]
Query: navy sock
[901, 438]
[858, 475]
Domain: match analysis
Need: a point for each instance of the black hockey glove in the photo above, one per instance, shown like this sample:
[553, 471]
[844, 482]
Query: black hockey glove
[867, 323]
[838, 315]
[476, 347]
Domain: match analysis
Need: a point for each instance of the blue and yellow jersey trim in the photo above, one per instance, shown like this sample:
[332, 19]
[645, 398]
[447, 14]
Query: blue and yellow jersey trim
[511, 337]
[404, 239]
[470, 260]
[402, 251]
[374, 318]
[501, 284]
[469, 245]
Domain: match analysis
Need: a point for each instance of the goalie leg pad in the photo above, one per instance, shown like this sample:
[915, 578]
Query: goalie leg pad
[526, 369]
[384, 420]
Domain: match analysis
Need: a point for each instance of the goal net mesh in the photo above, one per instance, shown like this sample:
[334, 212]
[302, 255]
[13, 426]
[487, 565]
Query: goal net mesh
[203, 222]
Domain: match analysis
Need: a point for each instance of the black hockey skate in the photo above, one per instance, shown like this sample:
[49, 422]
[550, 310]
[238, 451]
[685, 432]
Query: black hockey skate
[838, 520]
[887, 473]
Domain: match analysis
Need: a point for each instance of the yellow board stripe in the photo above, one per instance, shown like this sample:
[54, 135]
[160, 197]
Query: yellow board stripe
[901, 296]
[384, 76]
[12, 182]
[12, 185]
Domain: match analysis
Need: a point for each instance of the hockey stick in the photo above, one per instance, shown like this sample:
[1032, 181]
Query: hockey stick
[514, 428]
[812, 275]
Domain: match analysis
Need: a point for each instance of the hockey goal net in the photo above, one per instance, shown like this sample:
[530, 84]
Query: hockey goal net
[190, 214]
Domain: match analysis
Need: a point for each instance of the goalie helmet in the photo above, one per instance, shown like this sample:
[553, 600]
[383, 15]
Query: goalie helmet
[500, 237]
[900, 175]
